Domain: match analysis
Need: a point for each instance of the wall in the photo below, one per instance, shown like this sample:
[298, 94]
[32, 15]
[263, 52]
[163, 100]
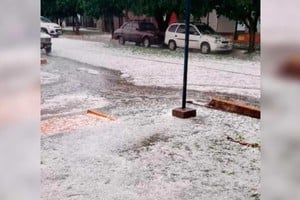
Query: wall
[221, 24]
[212, 20]
[225, 25]
[103, 26]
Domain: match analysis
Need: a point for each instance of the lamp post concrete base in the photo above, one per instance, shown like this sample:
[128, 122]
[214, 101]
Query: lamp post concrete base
[184, 113]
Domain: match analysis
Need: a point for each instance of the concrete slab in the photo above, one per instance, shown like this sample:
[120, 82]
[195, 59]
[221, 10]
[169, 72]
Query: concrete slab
[184, 113]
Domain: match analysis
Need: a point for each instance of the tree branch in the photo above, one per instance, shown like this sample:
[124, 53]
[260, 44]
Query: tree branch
[246, 23]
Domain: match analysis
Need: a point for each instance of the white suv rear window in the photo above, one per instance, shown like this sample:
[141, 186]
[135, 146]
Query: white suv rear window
[181, 29]
[172, 28]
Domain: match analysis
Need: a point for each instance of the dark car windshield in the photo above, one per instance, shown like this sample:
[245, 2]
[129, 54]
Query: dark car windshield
[147, 27]
[45, 20]
[205, 29]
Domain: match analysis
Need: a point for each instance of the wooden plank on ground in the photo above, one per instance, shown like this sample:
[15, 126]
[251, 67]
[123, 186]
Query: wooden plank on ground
[100, 114]
[233, 107]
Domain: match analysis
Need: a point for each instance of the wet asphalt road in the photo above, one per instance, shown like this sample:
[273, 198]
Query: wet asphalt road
[70, 78]
[123, 98]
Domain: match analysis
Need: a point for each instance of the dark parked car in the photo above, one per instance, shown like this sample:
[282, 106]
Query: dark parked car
[140, 32]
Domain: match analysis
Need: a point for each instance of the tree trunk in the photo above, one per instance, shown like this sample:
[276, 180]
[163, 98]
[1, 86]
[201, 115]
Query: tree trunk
[251, 24]
[73, 23]
[126, 15]
[60, 21]
[77, 25]
[207, 19]
[252, 33]
[112, 25]
[161, 23]
[168, 17]
[235, 35]
[120, 21]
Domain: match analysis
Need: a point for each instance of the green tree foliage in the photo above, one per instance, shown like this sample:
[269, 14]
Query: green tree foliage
[69, 8]
[200, 8]
[100, 8]
[49, 9]
[160, 9]
[60, 9]
[245, 11]
[104, 9]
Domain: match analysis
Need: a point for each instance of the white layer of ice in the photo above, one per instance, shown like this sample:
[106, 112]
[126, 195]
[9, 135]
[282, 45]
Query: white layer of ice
[206, 72]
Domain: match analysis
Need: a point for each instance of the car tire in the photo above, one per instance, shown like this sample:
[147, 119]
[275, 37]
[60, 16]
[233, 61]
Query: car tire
[172, 45]
[43, 30]
[205, 48]
[121, 40]
[48, 50]
[146, 42]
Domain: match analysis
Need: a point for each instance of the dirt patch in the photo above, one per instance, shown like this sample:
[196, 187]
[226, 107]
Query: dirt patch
[152, 140]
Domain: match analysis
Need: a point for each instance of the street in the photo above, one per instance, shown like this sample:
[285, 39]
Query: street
[145, 153]
[162, 67]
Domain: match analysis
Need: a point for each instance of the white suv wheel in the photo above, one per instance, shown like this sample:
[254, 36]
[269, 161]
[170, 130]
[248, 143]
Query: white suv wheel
[172, 45]
[205, 48]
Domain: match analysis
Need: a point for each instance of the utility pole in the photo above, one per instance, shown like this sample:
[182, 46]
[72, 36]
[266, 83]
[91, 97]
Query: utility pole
[185, 112]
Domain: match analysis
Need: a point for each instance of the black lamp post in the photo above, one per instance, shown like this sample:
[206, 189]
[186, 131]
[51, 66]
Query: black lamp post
[185, 112]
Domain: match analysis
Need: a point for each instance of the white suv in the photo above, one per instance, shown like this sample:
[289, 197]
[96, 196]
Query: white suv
[50, 28]
[46, 42]
[202, 37]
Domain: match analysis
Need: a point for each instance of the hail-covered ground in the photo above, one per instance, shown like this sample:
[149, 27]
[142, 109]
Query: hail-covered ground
[162, 67]
[144, 153]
